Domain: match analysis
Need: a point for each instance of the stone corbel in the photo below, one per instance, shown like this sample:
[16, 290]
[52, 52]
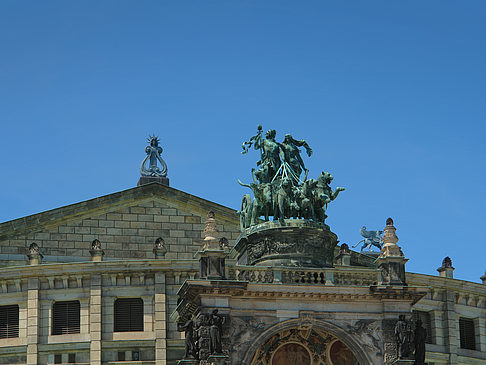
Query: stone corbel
[480, 302]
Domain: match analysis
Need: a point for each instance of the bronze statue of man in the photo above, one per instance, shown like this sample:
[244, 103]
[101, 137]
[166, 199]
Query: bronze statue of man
[270, 153]
[290, 153]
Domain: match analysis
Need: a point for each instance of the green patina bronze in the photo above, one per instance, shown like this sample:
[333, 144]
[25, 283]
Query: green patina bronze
[277, 187]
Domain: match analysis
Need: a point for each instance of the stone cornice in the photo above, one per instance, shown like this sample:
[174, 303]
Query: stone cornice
[194, 288]
[103, 267]
[442, 283]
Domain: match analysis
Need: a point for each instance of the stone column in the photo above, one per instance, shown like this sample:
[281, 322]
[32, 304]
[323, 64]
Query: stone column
[160, 319]
[32, 320]
[95, 320]
[451, 327]
[481, 326]
[437, 325]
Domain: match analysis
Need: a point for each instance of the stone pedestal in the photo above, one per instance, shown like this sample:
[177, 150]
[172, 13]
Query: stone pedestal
[149, 179]
[446, 270]
[217, 359]
[404, 362]
[212, 255]
[97, 255]
[344, 256]
[296, 243]
[211, 264]
[34, 258]
[391, 260]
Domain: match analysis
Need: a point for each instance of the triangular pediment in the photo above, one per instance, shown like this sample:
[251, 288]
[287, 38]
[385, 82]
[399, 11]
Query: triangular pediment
[127, 224]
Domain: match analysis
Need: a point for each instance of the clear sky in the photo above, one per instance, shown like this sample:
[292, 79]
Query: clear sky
[389, 94]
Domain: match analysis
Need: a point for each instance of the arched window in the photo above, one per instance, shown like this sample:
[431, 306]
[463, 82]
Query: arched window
[128, 314]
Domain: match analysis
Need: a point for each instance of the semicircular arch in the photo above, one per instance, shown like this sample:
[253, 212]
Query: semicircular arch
[352, 343]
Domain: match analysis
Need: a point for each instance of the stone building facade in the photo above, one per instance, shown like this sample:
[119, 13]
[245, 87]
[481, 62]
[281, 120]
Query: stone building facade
[124, 302]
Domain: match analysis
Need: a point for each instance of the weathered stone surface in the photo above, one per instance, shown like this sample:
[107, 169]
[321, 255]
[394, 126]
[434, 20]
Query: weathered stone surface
[298, 243]
[128, 223]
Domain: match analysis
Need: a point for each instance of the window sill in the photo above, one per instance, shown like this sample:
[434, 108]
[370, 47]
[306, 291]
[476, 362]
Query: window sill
[72, 337]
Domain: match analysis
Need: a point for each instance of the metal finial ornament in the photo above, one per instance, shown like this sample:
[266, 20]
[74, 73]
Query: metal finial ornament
[153, 151]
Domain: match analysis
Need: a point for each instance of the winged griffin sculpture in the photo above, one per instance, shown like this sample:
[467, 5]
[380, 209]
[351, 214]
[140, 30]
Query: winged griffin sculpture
[371, 238]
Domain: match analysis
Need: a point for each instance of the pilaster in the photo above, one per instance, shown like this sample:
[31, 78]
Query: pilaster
[451, 327]
[481, 335]
[160, 319]
[32, 320]
[95, 320]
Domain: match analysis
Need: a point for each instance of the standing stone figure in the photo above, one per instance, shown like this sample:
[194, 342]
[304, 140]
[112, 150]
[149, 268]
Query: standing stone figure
[402, 336]
[419, 338]
[215, 331]
[190, 340]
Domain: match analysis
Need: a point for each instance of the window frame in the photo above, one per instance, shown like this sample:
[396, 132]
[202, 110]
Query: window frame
[467, 336]
[66, 317]
[128, 315]
[11, 326]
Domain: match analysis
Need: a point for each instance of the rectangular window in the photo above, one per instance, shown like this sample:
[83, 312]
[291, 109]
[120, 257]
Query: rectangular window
[426, 323]
[72, 358]
[9, 321]
[65, 317]
[58, 359]
[128, 314]
[467, 333]
[121, 356]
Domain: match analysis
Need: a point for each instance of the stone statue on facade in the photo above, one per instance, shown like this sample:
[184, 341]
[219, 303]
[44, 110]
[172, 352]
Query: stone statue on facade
[371, 238]
[403, 336]
[34, 249]
[419, 338]
[153, 151]
[277, 187]
[96, 245]
[159, 248]
[215, 332]
[190, 342]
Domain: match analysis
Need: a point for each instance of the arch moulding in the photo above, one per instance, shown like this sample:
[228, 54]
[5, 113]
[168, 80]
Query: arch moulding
[352, 343]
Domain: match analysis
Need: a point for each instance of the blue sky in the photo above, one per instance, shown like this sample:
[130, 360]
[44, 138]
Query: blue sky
[389, 94]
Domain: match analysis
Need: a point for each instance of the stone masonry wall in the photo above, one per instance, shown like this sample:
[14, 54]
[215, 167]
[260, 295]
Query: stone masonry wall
[125, 233]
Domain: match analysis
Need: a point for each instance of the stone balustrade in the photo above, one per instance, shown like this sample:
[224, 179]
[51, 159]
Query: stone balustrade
[287, 275]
